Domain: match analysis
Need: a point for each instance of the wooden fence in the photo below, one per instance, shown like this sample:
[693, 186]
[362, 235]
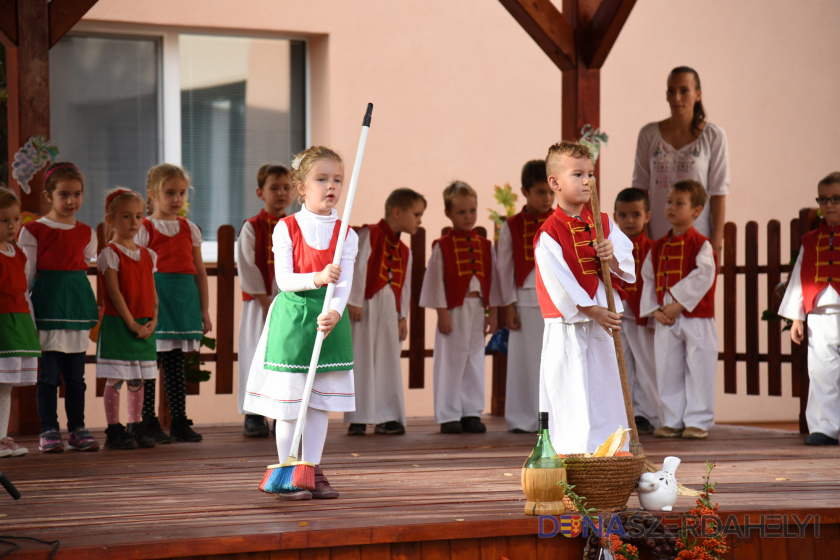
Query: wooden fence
[25, 419]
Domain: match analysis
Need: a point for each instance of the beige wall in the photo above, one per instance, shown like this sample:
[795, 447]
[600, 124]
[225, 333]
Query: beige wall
[461, 91]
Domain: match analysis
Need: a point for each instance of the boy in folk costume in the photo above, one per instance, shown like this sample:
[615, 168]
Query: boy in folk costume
[521, 309]
[378, 307]
[462, 284]
[679, 276]
[255, 260]
[632, 214]
[814, 292]
[579, 380]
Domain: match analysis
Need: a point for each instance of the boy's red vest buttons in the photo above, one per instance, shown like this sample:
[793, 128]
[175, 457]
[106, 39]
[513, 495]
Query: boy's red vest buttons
[673, 257]
[820, 263]
[641, 246]
[388, 261]
[465, 254]
[523, 231]
[263, 224]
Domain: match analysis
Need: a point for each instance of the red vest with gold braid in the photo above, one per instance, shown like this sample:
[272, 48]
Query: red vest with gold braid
[388, 261]
[60, 249]
[523, 229]
[263, 224]
[137, 284]
[305, 258]
[673, 258]
[175, 254]
[465, 254]
[13, 286]
[641, 246]
[820, 263]
[577, 239]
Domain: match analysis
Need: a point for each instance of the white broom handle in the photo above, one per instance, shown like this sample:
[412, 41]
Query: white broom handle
[339, 247]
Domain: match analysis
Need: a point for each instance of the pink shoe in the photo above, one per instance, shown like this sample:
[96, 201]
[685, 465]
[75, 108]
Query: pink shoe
[16, 449]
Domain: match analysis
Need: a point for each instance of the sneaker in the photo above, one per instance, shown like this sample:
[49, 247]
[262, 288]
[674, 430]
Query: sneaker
[255, 426]
[294, 496]
[323, 490]
[138, 432]
[453, 427]
[667, 432]
[819, 438]
[181, 431]
[356, 429]
[694, 433]
[643, 426]
[81, 440]
[10, 444]
[151, 427]
[116, 437]
[5, 451]
[50, 442]
[392, 428]
[473, 425]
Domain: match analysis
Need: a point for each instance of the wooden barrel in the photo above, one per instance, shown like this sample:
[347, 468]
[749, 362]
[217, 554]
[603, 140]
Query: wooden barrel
[543, 493]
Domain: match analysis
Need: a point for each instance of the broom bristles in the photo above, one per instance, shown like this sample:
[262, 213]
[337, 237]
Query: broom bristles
[282, 479]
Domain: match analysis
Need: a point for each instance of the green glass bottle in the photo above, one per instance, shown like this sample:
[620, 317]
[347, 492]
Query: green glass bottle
[543, 456]
[542, 474]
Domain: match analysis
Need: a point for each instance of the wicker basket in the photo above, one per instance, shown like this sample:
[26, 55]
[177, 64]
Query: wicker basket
[605, 482]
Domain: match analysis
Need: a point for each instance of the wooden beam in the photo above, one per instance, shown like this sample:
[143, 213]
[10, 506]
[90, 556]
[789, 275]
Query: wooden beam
[8, 23]
[64, 14]
[547, 27]
[581, 103]
[602, 32]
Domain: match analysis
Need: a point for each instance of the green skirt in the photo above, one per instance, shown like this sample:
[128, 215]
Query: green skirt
[293, 327]
[117, 342]
[20, 338]
[63, 299]
[179, 307]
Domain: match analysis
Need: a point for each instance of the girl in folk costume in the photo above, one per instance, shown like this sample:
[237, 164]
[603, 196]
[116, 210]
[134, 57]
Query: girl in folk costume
[181, 283]
[19, 346]
[58, 249]
[461, 282]
[125, 352]
[304, 246]
[255, 261]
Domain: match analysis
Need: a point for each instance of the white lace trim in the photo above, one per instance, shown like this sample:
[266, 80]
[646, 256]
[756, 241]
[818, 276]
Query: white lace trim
[296, 366]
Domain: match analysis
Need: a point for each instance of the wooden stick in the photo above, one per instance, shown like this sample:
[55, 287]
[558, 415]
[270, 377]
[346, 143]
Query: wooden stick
[635, 445]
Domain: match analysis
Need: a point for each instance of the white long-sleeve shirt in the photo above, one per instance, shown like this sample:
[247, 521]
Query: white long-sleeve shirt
[793, 304]
[688, 292]
[250, 278]
[526, 296]
[433, 292]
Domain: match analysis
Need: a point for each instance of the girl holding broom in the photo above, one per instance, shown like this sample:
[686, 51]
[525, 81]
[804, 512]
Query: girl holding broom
[304, 245]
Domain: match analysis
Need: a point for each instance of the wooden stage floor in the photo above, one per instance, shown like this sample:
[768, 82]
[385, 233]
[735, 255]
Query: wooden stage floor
[420, 495]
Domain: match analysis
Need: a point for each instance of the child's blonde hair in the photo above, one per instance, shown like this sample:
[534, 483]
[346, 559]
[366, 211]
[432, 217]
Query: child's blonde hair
[8, 198]
[694, 189]
[62, 171]
[158, 175]
[115, 198]
[303, 162]
[457, 188]
[574, 150]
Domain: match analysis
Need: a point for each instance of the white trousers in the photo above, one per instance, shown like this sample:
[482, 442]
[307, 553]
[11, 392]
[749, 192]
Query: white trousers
[637, 343]
[686, 364]
[251, 323]
[522, 386]
[377, 367]
[458, 364]
[580, 386]
[823, 410]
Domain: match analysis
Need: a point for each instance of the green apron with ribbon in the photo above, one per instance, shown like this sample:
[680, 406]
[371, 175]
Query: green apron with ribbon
[117, 342]
[63, 299]
[20, 338]
[179, 307]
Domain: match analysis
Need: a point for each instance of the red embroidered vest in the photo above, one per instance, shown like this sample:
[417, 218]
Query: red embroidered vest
[263, 224]
[61, 249]
[388, 261]
[577, 239]
[175, 254]
[307, 259]
[523, 230]
[641, 246]
[465, 254]
[820, 263]
[137, 284]
[13, 286]
[673, 258]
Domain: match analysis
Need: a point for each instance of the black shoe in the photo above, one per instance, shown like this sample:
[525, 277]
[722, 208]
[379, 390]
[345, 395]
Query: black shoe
[117, 438]
[255, 426]
[819, 438]
[151, 427]
[181, 431]
[392, 428]
[453, 427]
[643, 426]
[356, 429]
[136, 431]
[473, 425]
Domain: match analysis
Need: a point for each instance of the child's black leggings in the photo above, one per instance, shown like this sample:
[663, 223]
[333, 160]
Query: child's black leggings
[174, 382]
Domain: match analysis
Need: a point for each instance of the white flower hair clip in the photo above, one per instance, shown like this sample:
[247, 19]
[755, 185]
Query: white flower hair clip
[297, 161]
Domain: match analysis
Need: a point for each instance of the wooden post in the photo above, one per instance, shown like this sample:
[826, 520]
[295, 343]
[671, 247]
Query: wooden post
[774, 328]
[224, 311]
[730, 318]
[417, 315]
[751, 305]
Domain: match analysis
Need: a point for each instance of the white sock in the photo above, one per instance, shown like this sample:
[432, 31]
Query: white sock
[314, 436]
[5, 408]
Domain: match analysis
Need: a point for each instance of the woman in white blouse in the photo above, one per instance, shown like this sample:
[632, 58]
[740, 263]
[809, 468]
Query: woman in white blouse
[684, 146]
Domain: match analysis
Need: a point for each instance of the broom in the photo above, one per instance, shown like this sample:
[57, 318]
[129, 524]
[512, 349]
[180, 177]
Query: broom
[635, 445]
[294, 475]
